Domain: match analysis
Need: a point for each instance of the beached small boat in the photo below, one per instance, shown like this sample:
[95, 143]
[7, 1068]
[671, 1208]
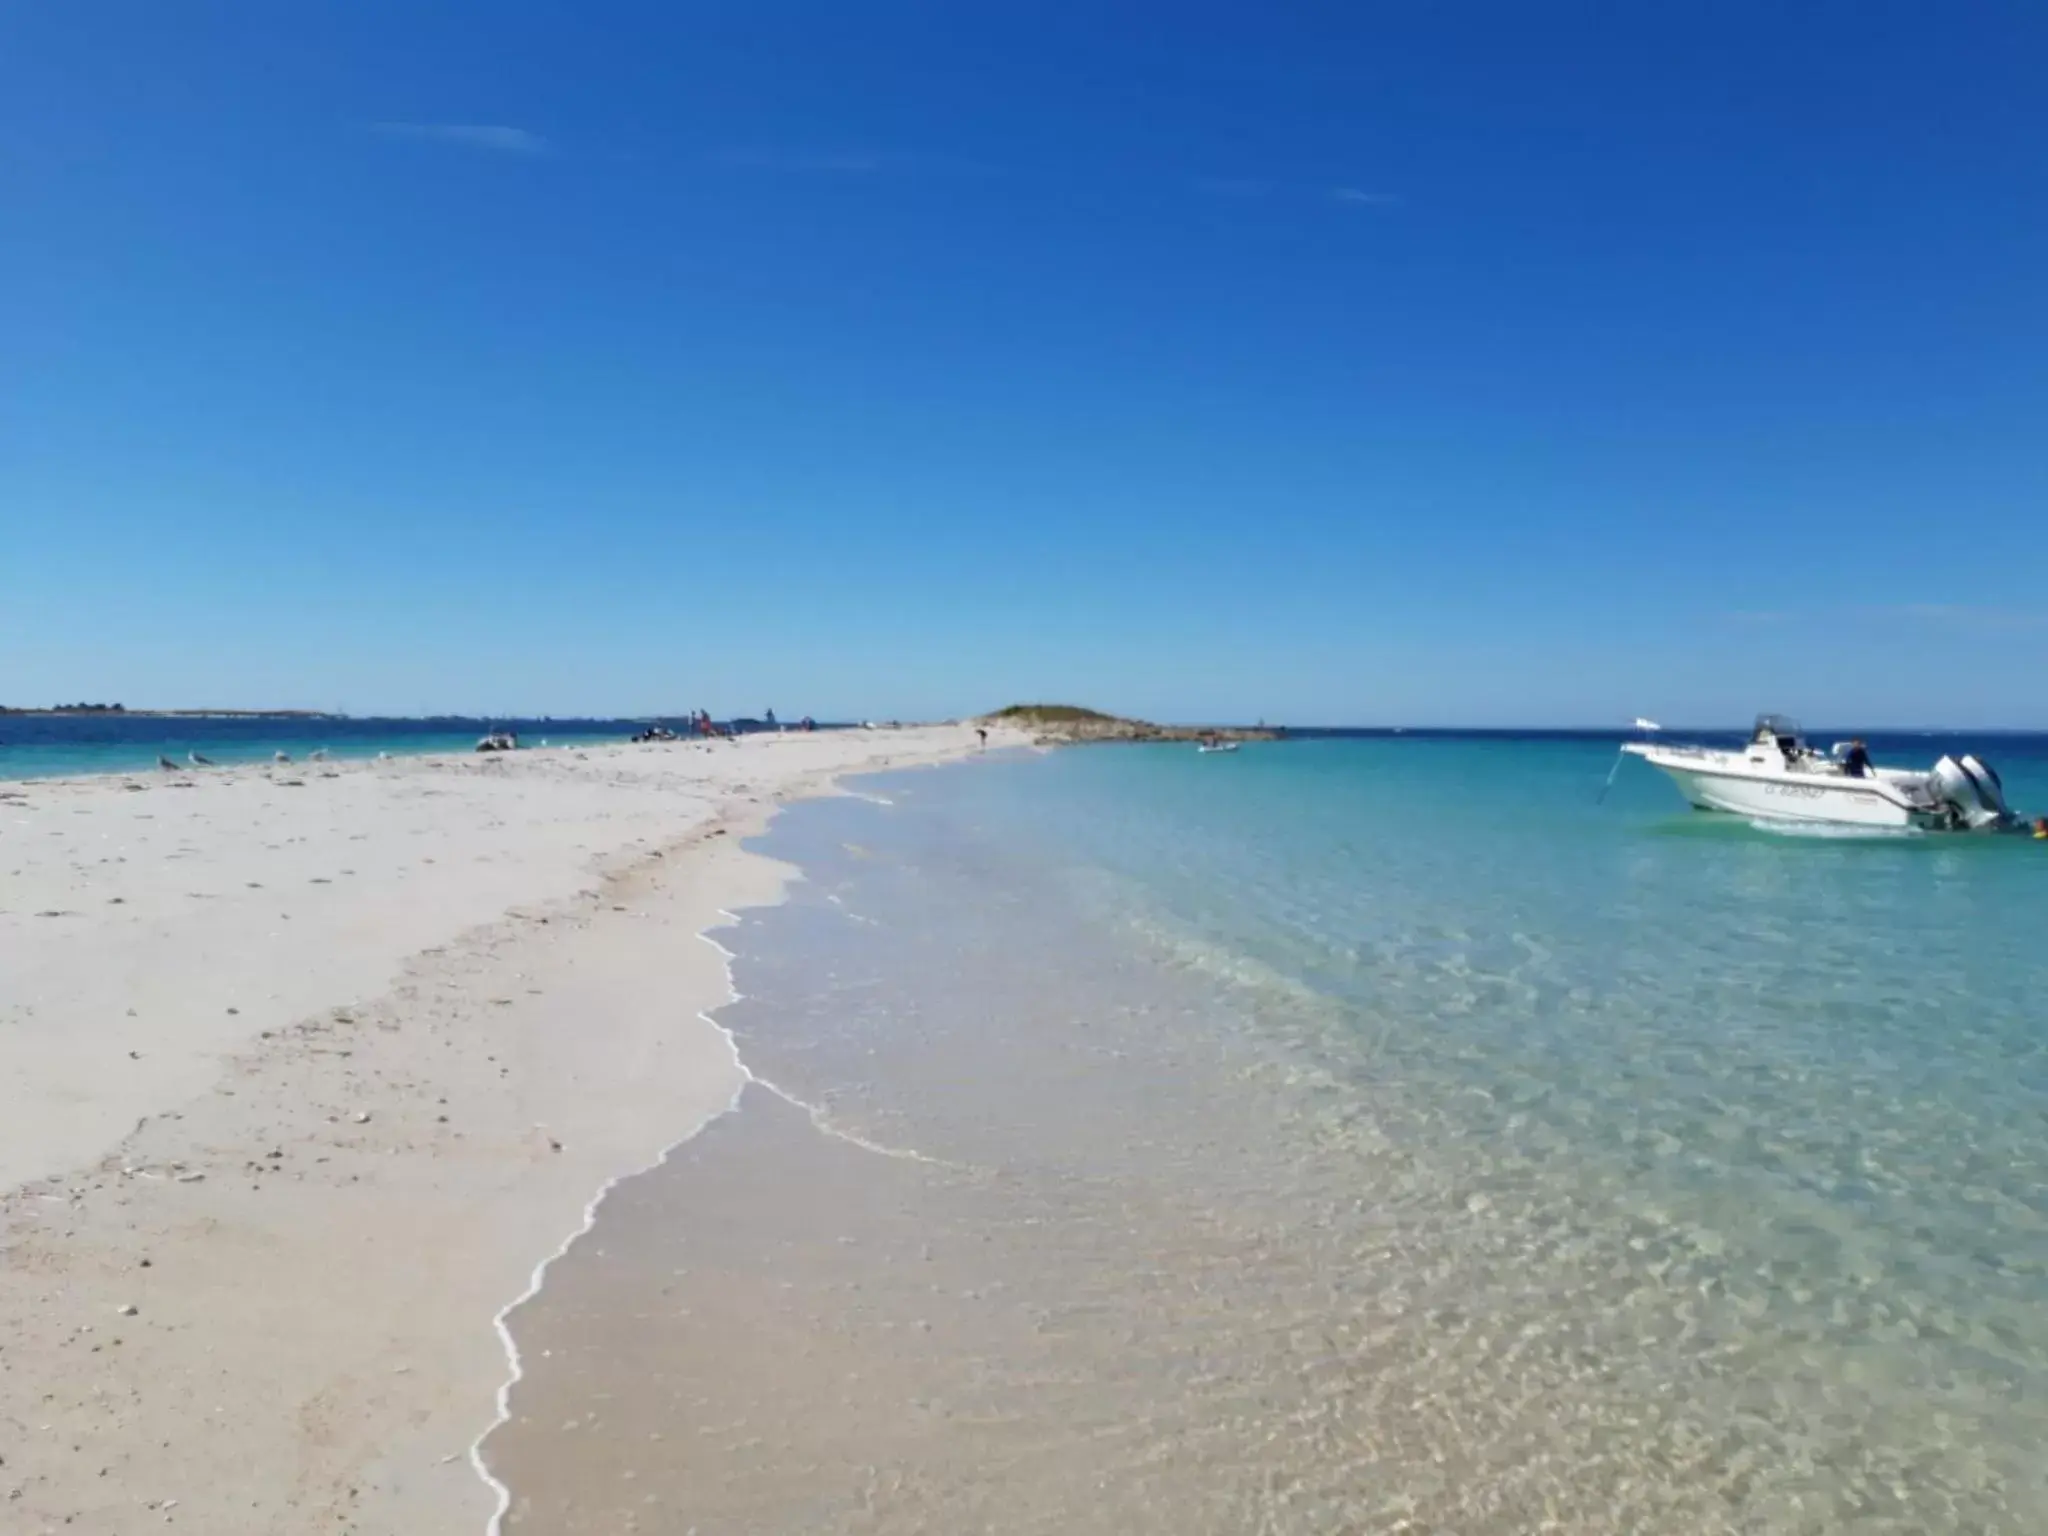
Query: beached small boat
[1776, 776]
[497, 741]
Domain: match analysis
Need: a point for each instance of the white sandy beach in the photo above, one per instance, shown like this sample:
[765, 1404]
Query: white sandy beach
[303, 1071]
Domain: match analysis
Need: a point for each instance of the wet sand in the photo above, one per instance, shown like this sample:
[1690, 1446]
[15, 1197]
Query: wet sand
[842, 1342]
[971, 1281]
[939, 1277]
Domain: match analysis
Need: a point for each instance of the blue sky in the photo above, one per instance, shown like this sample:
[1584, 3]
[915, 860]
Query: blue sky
[1448, 363]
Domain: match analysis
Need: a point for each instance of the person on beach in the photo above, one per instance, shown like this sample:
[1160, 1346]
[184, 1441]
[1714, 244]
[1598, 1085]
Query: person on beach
[982, 732]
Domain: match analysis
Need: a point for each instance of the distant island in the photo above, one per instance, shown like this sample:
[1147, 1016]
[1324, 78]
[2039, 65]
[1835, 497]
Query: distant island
[1061, 724]
[69, 709]
[122, 709]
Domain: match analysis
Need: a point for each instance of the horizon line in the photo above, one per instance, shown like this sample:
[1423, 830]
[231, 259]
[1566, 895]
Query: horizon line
[1388, 728]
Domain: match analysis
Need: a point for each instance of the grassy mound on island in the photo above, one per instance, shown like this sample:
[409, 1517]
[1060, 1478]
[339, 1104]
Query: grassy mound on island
[1032, 716]
[1071, 722]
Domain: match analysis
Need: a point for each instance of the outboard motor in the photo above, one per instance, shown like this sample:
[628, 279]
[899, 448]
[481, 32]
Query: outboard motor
[1973, 794]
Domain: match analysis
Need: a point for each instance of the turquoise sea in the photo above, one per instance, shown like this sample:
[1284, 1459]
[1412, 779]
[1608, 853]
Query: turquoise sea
[1361, 1135]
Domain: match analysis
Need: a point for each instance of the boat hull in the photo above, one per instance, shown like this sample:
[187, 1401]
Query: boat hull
[1850, 803]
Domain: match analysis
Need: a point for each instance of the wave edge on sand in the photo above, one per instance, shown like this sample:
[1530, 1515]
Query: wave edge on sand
[299, 1344]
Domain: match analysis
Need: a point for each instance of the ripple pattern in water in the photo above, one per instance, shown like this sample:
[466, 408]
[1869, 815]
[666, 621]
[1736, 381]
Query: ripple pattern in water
[1349, 1136]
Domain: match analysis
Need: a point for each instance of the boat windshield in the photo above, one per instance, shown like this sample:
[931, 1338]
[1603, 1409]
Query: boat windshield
[1772, 727]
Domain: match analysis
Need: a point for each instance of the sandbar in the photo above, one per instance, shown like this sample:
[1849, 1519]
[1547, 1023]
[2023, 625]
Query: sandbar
[305, 1069]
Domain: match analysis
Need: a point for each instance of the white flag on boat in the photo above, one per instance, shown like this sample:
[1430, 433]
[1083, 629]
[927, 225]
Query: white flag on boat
[1647, 725]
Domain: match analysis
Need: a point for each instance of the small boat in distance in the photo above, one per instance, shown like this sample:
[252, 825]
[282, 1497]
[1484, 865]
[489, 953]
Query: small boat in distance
[1776, 776]
[1217, 744]
[497, 741]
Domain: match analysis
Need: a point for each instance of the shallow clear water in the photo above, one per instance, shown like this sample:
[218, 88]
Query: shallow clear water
[1344, 1135]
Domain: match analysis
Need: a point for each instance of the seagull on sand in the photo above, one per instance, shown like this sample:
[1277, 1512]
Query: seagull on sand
[317, 755]
[280, 756]
[166, 764]
[197, 761]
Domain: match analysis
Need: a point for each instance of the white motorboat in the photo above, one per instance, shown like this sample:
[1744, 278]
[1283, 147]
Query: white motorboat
[1776, 776]
[1218, 746]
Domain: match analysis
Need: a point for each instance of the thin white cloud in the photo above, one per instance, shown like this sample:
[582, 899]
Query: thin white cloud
[1359, 197]
[846, 162]
[1254, 186]
[1895, 616]
[825, 162]
[494, 137]
[1963, 615]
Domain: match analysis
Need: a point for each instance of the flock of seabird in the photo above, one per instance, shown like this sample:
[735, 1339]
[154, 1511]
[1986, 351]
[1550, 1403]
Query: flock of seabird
[317, 755]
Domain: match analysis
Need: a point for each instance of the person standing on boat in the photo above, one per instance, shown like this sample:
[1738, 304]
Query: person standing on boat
[1857, 763]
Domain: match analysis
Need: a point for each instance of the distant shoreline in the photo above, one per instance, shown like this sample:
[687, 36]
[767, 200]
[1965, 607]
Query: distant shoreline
[185, 714]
